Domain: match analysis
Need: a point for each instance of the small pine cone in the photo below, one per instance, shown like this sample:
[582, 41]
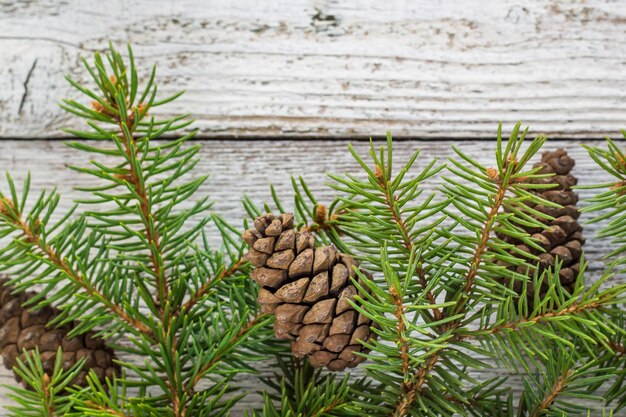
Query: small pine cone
[22, 329]
[307, 289]
[563, 238]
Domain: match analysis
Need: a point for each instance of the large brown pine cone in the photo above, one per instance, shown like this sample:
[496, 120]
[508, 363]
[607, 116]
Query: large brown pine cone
[23, 329]
[308, 289]
[563, 238]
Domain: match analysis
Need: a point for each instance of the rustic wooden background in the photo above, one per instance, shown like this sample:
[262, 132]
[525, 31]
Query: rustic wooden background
[279, 87]
[344, 69]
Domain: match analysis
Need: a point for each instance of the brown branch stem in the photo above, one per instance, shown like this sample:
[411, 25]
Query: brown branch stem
[146, 215]
[106, 409]
[397, 217]
[401, 327]
[200, 292]
[242, 333]
[618, 348]
[516, 325]
[557, 388]
[411, 389]
[77, 278]
[47, 397]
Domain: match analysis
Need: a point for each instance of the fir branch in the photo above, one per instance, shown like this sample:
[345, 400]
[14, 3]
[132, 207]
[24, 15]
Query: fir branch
[609, 202]
[508, 167]
[525, 323]
[563, 375]
[148, 199]
[421, 274]
[34, 238]
[481, 248]
[136, 251]
[572, 321]
[503, 181]
[144, 226]
[45, 394]
[113, 105]
[390, 201]
[147, 215]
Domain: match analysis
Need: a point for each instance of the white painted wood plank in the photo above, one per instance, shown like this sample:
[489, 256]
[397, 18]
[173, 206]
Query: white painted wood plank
[244, 166]
[328, 68]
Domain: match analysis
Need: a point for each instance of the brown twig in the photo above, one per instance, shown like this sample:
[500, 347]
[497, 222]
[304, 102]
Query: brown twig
[242, 333]
[200, 292]
[146, 215]
[328, 408]
[411, 389]
[408, 243]
[34, 238]
[516, 325]
[107, 410]
[618, 348]
[400, 328]
[47, 397]
[557, 388]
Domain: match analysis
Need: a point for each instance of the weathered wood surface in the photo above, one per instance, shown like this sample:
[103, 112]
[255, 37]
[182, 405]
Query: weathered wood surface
[308, 68]
[238, 167]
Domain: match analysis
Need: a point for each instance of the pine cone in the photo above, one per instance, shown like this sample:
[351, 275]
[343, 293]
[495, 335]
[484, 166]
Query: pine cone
[23, 329]
[307, 289]
[563, 239]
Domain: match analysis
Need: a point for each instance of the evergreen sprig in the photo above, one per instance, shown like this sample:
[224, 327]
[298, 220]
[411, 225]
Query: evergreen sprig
[132, 261]
[607, 207]
[442, 294]
[550, 392]
[610, 201]
[44, 394]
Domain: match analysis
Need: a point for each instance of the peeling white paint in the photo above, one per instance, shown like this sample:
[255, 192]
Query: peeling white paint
[308, 68]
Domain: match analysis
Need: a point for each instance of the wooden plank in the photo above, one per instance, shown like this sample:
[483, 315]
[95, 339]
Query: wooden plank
[238, 167]
[305, 68]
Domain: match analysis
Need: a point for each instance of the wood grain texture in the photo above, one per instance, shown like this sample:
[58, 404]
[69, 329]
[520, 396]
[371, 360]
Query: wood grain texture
[329, 68]
[238, 167]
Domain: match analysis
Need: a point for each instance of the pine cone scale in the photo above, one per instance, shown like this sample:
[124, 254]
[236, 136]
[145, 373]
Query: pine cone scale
[317, 289]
